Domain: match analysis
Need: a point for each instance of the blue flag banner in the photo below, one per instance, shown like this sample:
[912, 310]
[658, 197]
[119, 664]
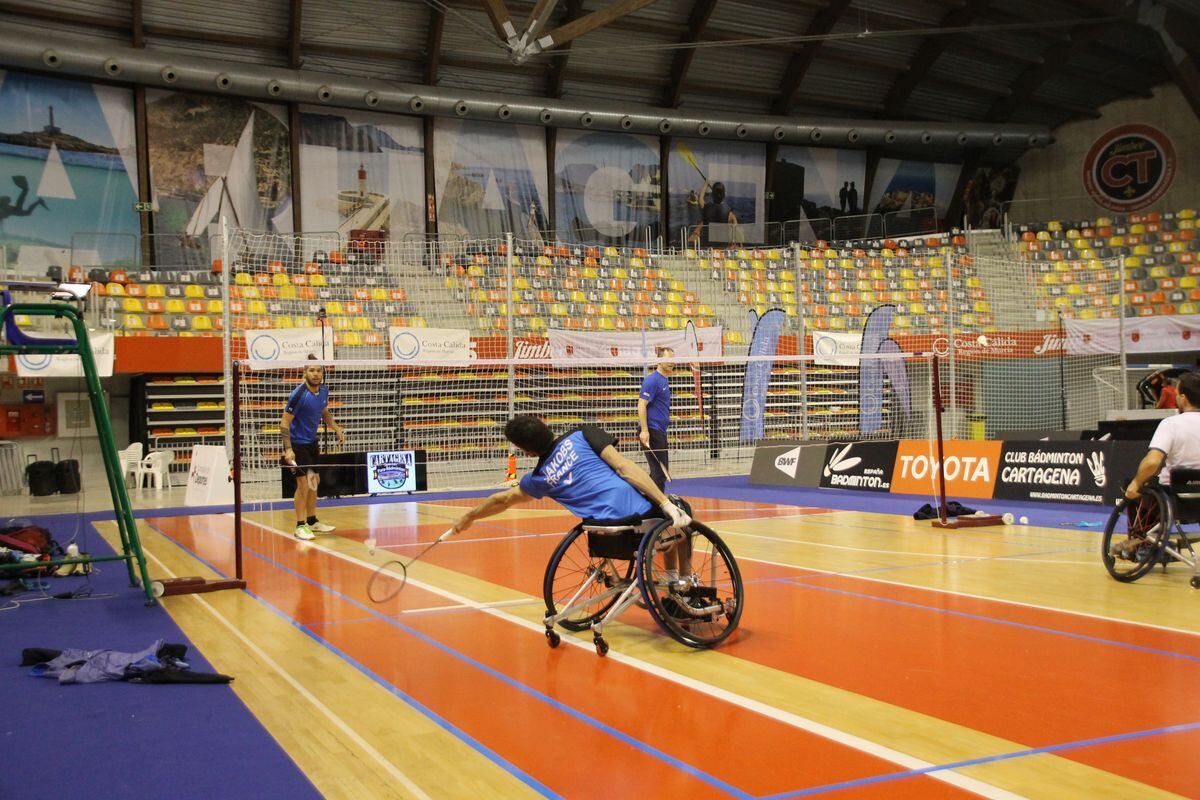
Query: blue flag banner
[765, 342]
[876, 339]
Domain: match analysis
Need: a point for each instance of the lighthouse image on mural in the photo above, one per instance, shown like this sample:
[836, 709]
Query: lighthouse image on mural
[391, 471]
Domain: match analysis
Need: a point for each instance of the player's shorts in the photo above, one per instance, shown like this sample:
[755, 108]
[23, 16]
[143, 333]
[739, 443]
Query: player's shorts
[308, 456]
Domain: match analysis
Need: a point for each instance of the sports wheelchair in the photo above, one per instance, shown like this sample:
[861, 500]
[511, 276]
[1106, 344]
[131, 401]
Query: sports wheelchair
[600, 569]
[1143, 533]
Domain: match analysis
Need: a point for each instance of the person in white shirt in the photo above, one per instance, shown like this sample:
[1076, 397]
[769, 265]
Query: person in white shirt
[1176, 441]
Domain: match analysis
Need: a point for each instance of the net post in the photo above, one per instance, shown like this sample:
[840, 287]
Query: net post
[236, 375]
[226, 327]
[801, 337]
[943, 512]
[512, 378]
[1121, 337]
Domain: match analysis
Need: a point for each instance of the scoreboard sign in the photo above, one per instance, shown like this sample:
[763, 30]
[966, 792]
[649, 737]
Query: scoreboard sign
[1129, 168]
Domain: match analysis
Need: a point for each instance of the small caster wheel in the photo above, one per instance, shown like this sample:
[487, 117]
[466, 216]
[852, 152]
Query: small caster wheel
[552, 638]
[1196, 581]
[601, 647]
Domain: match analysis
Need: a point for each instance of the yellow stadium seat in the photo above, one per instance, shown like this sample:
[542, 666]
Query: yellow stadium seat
[243, 279]
[134, 322]
[155, 290]
[175, 305]
[281, 279]
[605, 324]
[283, 321]
[333, 308]
[257, 307]
[379, 293]
[317, 280]
[215, 306]
[132, 305]
[362, 324]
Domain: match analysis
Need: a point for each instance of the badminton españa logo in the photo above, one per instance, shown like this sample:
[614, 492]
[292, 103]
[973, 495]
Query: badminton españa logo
[1129, 168]
[391, 471]
[839, 463]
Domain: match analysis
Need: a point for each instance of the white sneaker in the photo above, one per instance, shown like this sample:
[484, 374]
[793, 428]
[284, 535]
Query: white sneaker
[304, 532]
[321, 527]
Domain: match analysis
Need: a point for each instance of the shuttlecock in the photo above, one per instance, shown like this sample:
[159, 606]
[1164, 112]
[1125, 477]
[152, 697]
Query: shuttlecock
[1008, 519]
[371, 545]
[1024, 520]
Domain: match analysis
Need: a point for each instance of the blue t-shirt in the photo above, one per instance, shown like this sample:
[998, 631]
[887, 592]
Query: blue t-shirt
[656, 391]
[574, 474]
[306, 408]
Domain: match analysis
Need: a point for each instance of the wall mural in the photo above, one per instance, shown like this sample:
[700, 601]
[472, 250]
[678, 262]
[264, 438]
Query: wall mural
[213, 157]
[816, 184]
[607, 187]
[361, 171]
[717, 191]
[68, 173]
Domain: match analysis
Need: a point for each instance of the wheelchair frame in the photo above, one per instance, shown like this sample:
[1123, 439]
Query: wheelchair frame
[1165, 539]
[625, 586]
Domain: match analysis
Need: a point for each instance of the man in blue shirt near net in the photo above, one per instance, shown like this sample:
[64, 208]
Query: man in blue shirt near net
[654, 413]
[307, 405]
[583, 471]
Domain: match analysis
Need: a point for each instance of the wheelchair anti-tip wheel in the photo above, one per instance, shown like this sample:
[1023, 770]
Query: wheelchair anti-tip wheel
[1136, 534]
[698, 610]
[572, 567]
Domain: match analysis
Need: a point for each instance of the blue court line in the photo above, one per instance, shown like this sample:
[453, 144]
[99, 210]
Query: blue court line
[439, 720]
[971, 762]
[983, 618]
[621, 736]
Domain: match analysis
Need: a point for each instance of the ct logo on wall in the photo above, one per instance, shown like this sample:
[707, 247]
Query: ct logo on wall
[1129, 168]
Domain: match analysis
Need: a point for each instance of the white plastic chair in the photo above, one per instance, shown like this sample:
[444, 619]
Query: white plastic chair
[129, 458]
[156, 467]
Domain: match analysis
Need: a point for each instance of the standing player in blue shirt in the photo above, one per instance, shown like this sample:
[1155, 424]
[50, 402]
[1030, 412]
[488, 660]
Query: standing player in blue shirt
[654, 413]
[583, 472]
[307, 405]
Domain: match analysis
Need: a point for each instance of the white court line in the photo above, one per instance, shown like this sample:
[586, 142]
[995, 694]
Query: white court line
[453, 540]
[957, 558]
[338, 722]
[496, 604]
[786, 717]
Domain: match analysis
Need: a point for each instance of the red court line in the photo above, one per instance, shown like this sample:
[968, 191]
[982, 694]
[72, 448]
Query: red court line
[747, 750]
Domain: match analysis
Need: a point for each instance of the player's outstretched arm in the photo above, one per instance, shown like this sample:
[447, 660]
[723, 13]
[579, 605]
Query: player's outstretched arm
[639, 479]
[493, 505]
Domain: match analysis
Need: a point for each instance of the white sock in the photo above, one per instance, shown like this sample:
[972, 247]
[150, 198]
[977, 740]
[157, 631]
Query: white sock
[672, 575]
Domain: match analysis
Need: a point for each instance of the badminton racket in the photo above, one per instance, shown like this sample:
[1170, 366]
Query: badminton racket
[661, 465]
[391, 577]
[690, 158]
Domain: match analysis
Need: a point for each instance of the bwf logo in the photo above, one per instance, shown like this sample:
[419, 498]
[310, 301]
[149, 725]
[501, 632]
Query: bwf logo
[788, 462]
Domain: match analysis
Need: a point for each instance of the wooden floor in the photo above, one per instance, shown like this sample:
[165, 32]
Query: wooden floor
[877, 658]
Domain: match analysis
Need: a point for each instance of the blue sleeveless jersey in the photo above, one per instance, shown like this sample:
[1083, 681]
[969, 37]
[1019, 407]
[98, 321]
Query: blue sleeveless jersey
[306, 409]
[574, 474]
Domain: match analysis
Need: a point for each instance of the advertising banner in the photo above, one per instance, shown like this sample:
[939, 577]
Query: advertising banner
[583, 344]
[209, 481]
[971, 468]
[788, 464]
[392, 471]
[1142, 335]
[1070, 472]
[41, 365]
[289, 344]
[859, 465]
[419, 345]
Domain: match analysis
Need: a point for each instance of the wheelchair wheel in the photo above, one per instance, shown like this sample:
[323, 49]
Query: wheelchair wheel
[1136, 534]
[570, 567]
[700, 615]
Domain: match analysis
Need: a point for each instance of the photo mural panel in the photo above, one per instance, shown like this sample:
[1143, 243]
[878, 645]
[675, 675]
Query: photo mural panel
[212, 157]
[717, 191]
[910, 185]
[68, 172]
[361, 171]
[490, 179]
[813, 184]
[607, 187]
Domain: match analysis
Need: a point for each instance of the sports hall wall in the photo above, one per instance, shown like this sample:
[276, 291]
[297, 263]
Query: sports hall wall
[1053, 183]
[75, 161]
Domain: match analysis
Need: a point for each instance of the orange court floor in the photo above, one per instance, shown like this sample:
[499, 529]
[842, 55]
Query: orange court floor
[876, 657]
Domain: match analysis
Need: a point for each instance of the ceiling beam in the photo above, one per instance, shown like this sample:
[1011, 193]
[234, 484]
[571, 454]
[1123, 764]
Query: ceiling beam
[1180, 63]
[701, 11]
[821, 24]
[929, 52]
[501, 20]
[597, 19]
[136, 18]
[1053, 59]
[558, 71]
[295, 58]
[433, 44]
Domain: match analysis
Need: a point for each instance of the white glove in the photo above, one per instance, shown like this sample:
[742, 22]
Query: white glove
[678, 517]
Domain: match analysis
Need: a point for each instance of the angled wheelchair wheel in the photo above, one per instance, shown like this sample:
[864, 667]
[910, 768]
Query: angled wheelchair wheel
[1135, 535]
[575, 577]
[699, 613]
